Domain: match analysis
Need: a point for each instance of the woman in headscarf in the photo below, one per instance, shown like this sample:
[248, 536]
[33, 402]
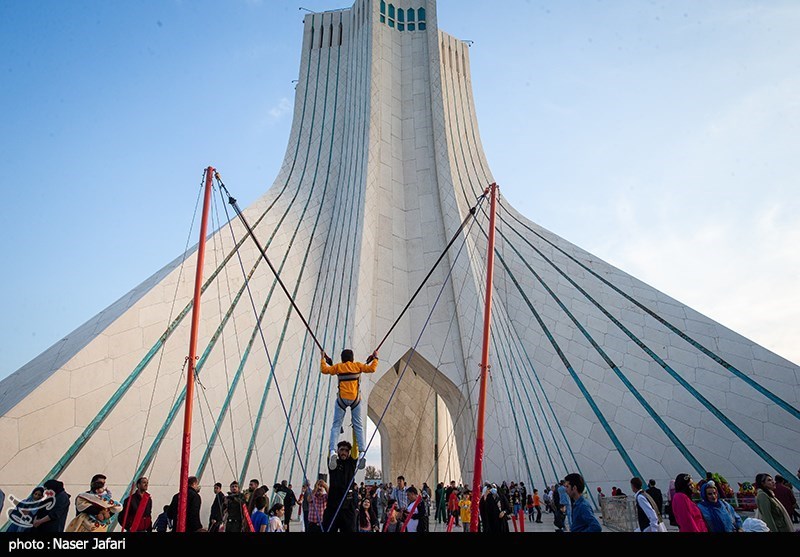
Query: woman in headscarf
[686, 513]
[22, 517]
[52, 518]
[718, 514]
[770, 510]
[94, 513]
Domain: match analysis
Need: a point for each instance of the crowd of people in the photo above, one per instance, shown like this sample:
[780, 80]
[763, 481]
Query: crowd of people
[342, 505]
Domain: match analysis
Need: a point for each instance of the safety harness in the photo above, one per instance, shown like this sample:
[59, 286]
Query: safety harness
[346, 378]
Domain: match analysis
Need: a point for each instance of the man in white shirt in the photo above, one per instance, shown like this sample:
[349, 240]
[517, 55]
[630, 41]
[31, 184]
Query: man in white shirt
[646, 513]
[415, 510]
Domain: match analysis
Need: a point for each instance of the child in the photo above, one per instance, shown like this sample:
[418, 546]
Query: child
[163, 523]
[466, 510]
[392, 518]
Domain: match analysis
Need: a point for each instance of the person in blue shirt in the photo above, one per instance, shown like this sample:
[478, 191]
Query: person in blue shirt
[259, 517]
[583, 519]
[163, 522]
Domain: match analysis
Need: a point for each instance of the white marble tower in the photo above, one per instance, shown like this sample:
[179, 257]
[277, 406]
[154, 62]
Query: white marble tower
[592, 370]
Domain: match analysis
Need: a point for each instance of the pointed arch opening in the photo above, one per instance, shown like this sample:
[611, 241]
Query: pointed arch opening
[425, 432]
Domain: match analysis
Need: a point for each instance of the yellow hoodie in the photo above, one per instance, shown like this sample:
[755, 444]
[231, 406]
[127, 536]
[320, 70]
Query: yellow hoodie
[348, 388]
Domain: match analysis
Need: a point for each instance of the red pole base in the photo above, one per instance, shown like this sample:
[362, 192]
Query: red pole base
[521, 520]
[451, 523]
[514, 520]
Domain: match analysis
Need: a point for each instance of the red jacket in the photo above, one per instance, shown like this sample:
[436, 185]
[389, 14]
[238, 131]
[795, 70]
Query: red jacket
[452, 503]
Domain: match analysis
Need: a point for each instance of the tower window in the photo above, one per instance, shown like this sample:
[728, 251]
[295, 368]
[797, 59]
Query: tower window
[321, 35]
[330, 35]
[312, 39]
[383, 11]
[340, 33]
[421, 19]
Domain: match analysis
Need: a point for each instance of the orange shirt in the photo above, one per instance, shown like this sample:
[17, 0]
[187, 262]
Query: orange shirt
[536, 501]
[348, 389]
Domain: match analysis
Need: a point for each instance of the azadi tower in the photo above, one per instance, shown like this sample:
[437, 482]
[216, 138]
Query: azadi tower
[591, 369]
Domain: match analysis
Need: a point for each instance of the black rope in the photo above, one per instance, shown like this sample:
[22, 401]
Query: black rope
[407, 361]
[235, 205]
[469, 216]
[270, 360]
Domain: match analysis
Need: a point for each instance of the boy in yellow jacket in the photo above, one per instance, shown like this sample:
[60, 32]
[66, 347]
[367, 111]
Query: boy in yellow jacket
[465, 506]
[348, 373]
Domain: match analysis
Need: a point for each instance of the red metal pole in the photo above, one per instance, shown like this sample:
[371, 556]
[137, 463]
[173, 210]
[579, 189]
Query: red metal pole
[187, 413]
[487, 321]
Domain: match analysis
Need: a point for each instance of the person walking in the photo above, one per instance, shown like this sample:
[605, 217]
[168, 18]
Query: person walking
[582, 517]
[289, 502]
[647, 514]
[538, 506]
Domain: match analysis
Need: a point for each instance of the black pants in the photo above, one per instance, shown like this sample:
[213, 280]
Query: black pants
[538, 513]
[558, 518]
[313, 527]
[287, 516]
[345, 521]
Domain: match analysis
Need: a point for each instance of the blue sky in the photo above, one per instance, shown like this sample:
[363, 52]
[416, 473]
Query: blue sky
[661, 136]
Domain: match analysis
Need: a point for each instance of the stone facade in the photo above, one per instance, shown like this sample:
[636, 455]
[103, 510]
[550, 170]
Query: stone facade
[591, 369]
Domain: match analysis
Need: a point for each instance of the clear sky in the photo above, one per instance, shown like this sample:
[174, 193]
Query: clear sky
[660, 136]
